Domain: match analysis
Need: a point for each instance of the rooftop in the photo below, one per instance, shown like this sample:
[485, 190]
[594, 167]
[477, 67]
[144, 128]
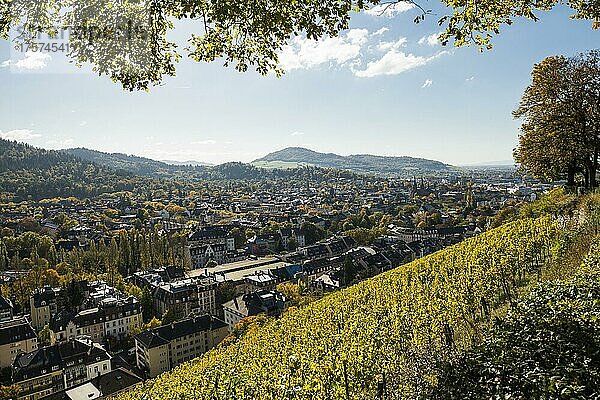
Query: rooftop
[234, 266]
[15, 330]
[165, 334]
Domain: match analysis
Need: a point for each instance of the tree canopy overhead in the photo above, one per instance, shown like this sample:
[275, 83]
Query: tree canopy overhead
[560, 133]
[128, 40]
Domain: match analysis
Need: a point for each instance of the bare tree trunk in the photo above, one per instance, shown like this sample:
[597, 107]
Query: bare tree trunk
[586, 174]
[595, 160]
[594, 168]
[571, 177]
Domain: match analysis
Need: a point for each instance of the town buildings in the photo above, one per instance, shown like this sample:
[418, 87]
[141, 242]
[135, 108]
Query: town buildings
[111, 314]
[178, 294]
[55, 368]
[105, 386]
[161, 349]
[43, 305]
[16, 336]
[6, 309]
[230, 244]
[270, 303]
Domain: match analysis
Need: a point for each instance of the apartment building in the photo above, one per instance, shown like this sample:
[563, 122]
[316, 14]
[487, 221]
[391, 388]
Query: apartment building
[210, 243]
[112, 318]
[55, 368]
[161, 349]
[16, 337]
[106, 386]
[6, 309]
[186, 296]
[121, 316]
[43, 304]
[271, 303]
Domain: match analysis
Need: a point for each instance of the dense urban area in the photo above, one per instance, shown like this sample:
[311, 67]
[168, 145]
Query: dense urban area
[104, 291]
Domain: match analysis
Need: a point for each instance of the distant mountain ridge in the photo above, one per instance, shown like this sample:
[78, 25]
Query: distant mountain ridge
[146, 167]
[29, 172]
[291, 157]
[142, 166]
[360, 163]
[123, 162]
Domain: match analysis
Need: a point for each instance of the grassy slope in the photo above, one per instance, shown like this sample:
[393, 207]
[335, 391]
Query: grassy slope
[546, 347]
[403, 323]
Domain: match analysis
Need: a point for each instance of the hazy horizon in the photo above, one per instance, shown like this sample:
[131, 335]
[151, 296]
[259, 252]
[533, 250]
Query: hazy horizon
[201, 162]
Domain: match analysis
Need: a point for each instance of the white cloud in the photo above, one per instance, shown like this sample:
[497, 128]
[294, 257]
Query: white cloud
[83, 123]
[390, 10]
[427, 83]
[394, 62]
[297, 133]
[34, 60]
[355, 51]
[380, 31]
[305, 53]
[19, 135]
[385, 46]
[470, 79]
[431, 40]
[358, 36]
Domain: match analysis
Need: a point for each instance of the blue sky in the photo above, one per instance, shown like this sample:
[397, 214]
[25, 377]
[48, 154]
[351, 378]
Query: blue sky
[383, 87]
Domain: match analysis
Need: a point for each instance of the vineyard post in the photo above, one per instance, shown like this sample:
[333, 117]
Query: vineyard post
[216, 390]
[346, 380]
[381, 387]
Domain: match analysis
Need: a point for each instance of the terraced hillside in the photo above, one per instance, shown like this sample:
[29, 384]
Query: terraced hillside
[391, 333]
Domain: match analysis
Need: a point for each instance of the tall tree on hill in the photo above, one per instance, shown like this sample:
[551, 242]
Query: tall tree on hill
[560, 133]
[128, 40]
[4, 259]
[72, 295]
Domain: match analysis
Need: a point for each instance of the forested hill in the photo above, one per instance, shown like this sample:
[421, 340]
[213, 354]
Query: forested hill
[134, 164]
[194, 173]
[290, 158]
[28, 172]
[361, 163]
